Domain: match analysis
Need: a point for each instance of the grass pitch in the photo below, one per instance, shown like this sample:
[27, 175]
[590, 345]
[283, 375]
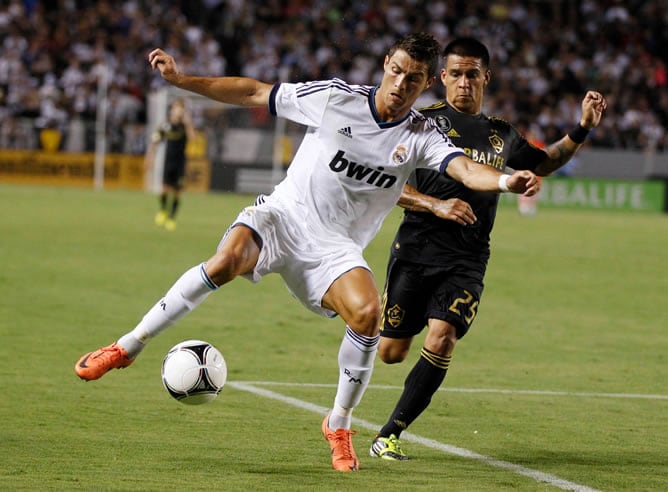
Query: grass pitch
[559, 385]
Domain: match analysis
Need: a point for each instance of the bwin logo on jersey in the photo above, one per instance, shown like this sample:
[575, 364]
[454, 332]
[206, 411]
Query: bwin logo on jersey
[359, 172]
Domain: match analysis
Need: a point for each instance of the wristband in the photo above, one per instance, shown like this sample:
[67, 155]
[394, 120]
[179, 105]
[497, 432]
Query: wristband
[503, 183]
[578, 134]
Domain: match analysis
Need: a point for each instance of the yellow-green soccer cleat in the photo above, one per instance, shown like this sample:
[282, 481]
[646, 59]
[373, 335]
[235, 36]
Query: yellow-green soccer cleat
[161, 218]
[170, 224]
[387, 448]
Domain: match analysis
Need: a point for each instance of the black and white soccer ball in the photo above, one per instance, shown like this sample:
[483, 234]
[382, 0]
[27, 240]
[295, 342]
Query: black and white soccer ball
[194, 372]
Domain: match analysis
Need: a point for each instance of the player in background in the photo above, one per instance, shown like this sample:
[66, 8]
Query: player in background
[528, 206]
[440, 253]
[175, 132]
[361, 145]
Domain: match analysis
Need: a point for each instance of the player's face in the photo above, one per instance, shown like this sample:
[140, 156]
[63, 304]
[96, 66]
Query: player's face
[176, 113]
[404, 79]
[465, 80]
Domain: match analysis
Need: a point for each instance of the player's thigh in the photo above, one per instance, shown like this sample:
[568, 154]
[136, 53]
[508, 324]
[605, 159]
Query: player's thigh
[173, 175]
[404, 300]
[237, 254]
[354, 297]
[455, 300]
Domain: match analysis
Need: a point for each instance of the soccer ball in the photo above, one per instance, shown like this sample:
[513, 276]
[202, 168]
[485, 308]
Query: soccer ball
[194, 372]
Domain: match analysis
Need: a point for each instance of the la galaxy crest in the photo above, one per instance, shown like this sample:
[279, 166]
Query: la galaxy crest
[497, 142]
[395, 315]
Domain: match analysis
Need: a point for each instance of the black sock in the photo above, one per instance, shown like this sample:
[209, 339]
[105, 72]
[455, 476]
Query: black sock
[175, 206]
[163, 201]
[420, 385]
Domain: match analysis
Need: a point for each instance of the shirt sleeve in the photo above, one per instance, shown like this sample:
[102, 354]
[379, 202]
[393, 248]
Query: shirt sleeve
[303, 103]
[439, 149]
[524, 155]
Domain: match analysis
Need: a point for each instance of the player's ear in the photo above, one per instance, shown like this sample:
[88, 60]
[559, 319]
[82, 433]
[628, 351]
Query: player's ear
[488, 77]
[430, 82]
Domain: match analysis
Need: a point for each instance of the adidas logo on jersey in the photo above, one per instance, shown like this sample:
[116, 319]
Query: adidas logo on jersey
[345, 131]
[375, 177]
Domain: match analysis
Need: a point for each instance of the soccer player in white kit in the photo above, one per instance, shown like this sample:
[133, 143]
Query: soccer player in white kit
[361, 144]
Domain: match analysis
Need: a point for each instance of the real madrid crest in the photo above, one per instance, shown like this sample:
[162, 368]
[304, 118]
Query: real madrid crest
[400, 154]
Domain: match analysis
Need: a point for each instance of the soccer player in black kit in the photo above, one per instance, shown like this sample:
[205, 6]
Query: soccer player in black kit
[175, 133]
[439, 255]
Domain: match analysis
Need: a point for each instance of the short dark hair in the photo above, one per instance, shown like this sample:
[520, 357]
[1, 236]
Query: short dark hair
[422, 47]
[467, 47]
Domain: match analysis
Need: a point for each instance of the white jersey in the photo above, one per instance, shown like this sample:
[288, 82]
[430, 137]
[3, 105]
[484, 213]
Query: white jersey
[350, 168]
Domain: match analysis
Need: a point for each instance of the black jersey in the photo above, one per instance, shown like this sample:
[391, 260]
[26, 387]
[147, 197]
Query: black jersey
[424, 238]
[175, 137]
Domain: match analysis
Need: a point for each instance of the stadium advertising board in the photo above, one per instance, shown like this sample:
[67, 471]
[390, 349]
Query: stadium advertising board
[590, 193]
[69, 169]
[78, 169]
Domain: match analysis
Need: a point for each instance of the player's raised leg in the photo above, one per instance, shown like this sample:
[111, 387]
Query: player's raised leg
[186, 294]
[355, 298]
[237, 254]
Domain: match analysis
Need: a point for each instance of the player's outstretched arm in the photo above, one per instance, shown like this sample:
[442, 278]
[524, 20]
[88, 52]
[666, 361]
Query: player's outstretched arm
[480, 177]
[241, 91]
[561, 151]
[450, 209]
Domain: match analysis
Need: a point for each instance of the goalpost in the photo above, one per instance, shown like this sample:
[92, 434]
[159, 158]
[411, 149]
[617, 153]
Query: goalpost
[101, 127]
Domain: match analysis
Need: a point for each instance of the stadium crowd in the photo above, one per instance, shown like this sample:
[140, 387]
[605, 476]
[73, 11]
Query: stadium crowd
[545, 55]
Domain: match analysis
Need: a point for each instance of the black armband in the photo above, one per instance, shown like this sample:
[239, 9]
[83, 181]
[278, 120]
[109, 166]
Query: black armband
[578, 134]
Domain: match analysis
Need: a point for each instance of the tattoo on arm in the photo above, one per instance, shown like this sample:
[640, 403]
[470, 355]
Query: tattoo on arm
[558, 154]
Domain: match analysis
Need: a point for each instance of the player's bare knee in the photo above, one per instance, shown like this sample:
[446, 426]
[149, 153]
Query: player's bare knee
[222, 267]
[441, 341]
[390, 354]
[365, 319]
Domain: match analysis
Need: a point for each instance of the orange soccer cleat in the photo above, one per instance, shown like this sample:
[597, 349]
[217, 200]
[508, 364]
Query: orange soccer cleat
[96, 364]
[341, 444]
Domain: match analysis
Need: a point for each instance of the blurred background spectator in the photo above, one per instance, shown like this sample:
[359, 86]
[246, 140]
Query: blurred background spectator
[545, 54]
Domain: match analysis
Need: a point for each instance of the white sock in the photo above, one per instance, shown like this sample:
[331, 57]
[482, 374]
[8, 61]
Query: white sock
[356, 358]
[186, 294]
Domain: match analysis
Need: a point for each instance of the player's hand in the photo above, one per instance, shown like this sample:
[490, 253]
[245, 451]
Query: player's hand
[454, 209]
[593, 106]
[165, 63]
[524, 183]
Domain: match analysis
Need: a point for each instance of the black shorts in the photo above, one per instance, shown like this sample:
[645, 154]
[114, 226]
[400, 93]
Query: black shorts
[415, 293]
[173, 174]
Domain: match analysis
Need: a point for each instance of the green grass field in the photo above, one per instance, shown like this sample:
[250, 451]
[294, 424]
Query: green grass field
[561, 384]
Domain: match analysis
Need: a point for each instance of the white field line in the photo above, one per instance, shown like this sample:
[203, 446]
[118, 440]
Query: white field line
[639, 396]
[536, 475]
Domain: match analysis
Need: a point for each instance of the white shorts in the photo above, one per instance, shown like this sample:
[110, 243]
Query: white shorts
[307, 263]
